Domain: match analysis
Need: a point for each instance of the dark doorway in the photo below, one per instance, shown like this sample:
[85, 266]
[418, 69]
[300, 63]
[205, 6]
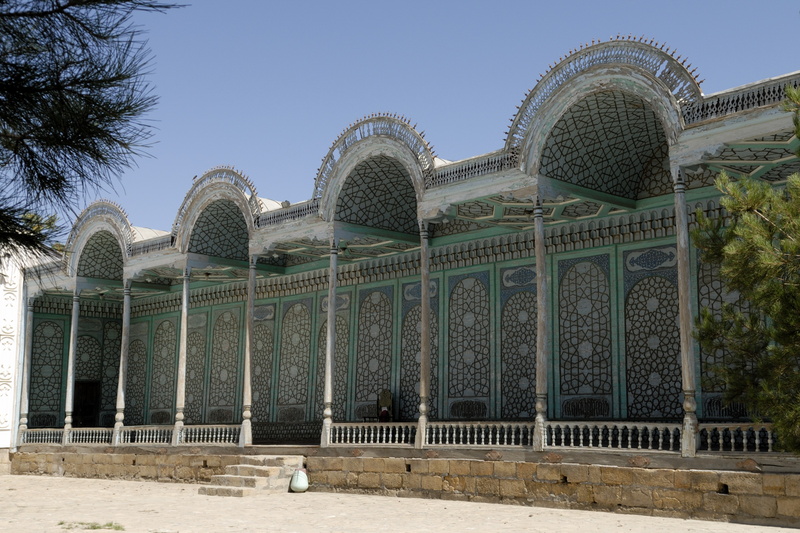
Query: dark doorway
[86, 405]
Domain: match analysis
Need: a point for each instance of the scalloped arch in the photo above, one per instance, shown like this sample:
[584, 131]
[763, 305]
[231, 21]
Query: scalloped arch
[645, 56]
[385, 125]
[102, 215]
[219, 183]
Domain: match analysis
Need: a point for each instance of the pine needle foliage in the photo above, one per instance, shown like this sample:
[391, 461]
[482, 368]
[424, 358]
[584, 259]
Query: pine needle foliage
[73, 95]
[758, 255]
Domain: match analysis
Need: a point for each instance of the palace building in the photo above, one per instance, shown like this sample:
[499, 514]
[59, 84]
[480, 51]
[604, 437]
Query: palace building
[539, 295]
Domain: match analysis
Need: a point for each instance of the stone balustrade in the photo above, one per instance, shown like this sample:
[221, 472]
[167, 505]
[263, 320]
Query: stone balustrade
[742, 438]
[478, 434]
[617, 436]
[379, 433]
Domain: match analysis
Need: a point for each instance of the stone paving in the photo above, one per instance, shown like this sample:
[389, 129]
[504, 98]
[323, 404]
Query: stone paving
[55, 504]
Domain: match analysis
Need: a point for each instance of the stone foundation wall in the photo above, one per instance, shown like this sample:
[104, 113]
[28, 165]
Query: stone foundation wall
[145, 466]
[762, 498]
[769, 498]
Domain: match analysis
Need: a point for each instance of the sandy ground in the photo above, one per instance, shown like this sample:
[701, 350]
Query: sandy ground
[55, 504]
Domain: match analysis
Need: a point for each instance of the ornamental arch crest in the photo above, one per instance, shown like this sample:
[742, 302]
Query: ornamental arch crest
[220, 196]
[642, 72]
[103, 235]
[376, 137]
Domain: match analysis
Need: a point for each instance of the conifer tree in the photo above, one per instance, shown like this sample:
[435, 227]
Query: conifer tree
[758, 255]
[72, 98]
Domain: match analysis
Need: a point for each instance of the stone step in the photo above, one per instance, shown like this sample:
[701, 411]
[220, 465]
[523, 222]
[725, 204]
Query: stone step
[256, 470]
[256, 473]
[227, 480]
[236, 492]
[293, 461]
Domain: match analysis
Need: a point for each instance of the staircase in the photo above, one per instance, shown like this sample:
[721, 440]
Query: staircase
[255, 474]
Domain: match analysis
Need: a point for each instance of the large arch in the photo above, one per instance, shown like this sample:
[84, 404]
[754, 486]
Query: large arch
[101, 225]
[376, 136]
[610, 141]
[220, 184]
[643, 72]
[378, 193]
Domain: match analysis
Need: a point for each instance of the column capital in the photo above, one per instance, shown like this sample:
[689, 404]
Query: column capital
[538, 210]
[424, 225]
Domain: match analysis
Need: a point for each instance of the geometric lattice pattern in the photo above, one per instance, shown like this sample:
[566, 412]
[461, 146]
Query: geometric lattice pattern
[294, 366]
[89, 359]
[374, 345]
[713, 296]
[112, 337]
[378, 193]
[195, 368]
[101, 257]
[518, 356]
[261, 375]
[44, 404]
[224, 362]
[220, 231]
[410, 364]
[339, 369]
[136, 383]
[583, 209]
[652, 341]
[585, 326]
[610, 141]
[469, 338]
[162, 384]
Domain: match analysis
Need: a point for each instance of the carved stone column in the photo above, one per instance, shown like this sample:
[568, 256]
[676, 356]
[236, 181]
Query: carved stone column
[542, 333]
[73, 347]
[119, 418]
[26, 373]
[180, 393]
[689, 433]
[425, 335]
[330, 347]
[246, 435]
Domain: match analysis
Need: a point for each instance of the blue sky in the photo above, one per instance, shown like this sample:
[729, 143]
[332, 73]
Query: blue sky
[268, 86]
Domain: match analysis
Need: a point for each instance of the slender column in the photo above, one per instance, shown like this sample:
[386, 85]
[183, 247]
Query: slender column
[26, 373]
[73, 347]
[425, 335]
[246, 435]
[123, 363]
[180, 393]
[330, 346]
[689, 434]
[542, 334]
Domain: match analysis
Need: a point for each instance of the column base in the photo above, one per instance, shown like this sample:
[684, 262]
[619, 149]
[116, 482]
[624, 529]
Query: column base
[246, 433]
[325, 437]
[689, 435]
[539, 433]
[176, 433]
[422, 429]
